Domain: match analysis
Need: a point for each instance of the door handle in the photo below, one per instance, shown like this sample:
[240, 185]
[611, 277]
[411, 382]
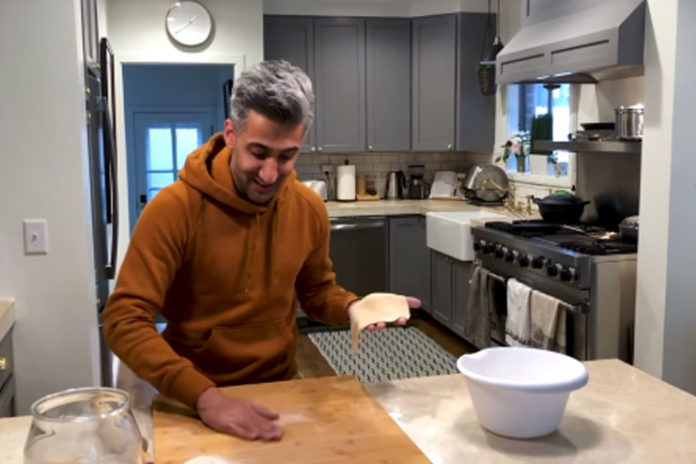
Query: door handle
[359, 226]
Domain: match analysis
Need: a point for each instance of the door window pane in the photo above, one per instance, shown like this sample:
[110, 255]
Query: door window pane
[157, 180]
[159, 148]
[187, 140]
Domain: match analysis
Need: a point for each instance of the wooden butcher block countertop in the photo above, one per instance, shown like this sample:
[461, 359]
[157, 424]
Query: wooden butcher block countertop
[326, 420]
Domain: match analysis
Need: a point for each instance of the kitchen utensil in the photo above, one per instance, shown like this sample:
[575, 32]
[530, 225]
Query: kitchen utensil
[520, 392]
[92, 425]
[418, 188]
[396, 184]
[561, 208]
[326, 419]
[318, 186]
[629, 229]
[345, 188]
[487, 183]
[444, 185]
[629, 122]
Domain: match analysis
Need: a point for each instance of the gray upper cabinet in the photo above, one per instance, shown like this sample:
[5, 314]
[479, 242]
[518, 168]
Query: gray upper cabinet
[388, 84]
[475, 117]
[409, 259]
[339, 71]
[433, 71]
[291, 38]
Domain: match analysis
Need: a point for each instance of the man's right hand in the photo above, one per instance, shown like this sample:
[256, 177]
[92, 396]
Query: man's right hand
[235, 416]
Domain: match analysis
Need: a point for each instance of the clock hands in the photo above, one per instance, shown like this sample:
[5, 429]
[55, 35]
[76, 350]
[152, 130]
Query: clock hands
[188, 23]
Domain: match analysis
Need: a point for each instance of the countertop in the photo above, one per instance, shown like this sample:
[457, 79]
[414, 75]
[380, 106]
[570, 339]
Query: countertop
[621, 415]
[402, 207]
[7, 316]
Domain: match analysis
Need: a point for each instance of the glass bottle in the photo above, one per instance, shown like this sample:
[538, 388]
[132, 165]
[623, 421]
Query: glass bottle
[84, 425]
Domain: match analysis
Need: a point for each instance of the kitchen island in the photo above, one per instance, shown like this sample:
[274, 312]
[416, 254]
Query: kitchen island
[622, 415]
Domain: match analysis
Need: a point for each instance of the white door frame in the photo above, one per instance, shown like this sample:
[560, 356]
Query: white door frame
[239, 63]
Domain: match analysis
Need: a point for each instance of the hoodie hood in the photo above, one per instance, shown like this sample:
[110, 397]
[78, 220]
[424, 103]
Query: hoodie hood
[207, 169]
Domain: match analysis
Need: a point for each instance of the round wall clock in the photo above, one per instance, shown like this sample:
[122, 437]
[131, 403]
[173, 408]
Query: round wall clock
[188, 23]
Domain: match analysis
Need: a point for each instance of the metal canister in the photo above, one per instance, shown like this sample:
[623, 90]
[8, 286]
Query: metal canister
[629, 122]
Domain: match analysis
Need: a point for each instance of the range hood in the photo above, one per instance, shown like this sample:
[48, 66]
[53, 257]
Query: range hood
[575, 42]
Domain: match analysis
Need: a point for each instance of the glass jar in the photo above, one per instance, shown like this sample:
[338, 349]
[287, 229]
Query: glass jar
[84, 425]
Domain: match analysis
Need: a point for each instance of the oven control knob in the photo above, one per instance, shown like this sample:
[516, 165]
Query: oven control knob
[499, 252]
[538, 262]
[567, 274]
[551, 269]
[477, 246]
[510, 256]
[524, 261]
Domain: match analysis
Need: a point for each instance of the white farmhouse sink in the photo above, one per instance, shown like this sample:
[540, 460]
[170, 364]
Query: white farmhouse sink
[450, 232]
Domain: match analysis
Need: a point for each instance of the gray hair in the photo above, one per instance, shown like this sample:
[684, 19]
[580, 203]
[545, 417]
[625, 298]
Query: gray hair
[276, 89]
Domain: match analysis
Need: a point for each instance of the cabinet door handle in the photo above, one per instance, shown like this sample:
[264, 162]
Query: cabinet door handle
[4, 363]
[320, 148]
[358, 226]
[313, 149]
[449, 146]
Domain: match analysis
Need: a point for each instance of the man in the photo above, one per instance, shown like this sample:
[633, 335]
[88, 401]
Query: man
[225, 253]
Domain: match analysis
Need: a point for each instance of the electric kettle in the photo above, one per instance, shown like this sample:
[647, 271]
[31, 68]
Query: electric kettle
[396, 183]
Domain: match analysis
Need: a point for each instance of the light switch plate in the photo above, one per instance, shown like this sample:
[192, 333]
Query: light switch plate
[35, 237]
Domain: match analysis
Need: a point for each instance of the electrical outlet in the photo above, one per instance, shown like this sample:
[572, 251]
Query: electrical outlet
[35, 237]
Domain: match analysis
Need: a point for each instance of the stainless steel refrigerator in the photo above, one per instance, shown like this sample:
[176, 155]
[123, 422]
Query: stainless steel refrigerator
[100, 100]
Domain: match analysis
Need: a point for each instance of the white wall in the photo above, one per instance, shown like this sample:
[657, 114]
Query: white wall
[44, 175]
[666, 297]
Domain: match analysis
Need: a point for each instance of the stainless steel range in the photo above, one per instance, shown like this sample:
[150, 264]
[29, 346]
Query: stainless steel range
[589, 269]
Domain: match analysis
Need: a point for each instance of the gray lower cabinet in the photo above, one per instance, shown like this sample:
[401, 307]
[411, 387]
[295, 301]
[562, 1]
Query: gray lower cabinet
[7, 382]
[339, 71]
[441, 284]
[291, 38]
[433, 73]
[461, 276]
[388, 67]
[450, 291]
[409, 259]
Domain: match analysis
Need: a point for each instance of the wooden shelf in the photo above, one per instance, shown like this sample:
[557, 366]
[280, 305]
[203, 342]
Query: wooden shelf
[608, 146]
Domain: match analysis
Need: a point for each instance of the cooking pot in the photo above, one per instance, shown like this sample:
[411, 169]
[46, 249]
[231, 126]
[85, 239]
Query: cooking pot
[629, 122]
[629, 229]
[561, 208]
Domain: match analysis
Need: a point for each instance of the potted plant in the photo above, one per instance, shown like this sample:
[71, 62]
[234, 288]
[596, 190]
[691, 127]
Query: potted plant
[518, 146]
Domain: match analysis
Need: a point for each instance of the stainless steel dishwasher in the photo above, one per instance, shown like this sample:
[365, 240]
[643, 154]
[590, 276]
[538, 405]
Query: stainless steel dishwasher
[358, 250]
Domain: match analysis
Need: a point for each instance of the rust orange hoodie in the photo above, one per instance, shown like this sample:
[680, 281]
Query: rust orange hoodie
[227, 275]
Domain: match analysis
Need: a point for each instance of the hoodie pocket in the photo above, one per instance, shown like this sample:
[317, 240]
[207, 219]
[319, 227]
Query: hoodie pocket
[256, 352]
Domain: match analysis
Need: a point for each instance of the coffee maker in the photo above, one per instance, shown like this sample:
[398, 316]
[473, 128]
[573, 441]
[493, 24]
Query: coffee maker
[418, 188]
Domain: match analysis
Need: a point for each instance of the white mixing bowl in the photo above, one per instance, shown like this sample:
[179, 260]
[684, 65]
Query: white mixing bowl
[521, 392]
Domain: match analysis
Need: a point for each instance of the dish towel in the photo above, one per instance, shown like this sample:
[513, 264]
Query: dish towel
[548, 327]
[518, 321]
[477, 321]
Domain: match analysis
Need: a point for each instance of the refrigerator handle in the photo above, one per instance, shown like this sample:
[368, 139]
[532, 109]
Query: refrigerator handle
[112, 216]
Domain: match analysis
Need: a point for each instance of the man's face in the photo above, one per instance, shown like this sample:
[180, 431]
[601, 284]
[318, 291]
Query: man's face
[264, 153]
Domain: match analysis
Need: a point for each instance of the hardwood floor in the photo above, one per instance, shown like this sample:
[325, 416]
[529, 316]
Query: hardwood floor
[310, 362]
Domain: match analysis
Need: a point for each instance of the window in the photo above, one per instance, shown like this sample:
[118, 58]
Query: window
[526, 101]
[167, 146]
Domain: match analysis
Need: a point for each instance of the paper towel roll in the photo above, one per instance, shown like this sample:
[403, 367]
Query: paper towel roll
[345, 188]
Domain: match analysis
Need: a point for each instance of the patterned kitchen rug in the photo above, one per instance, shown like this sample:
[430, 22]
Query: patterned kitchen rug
[389, 354]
